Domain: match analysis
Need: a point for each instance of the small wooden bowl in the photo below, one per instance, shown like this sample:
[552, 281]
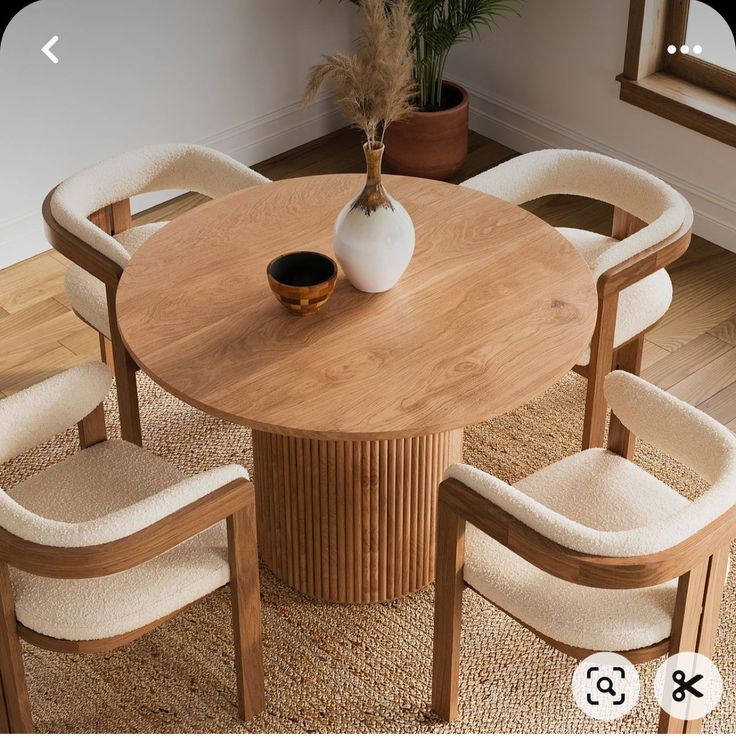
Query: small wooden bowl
[302, 280]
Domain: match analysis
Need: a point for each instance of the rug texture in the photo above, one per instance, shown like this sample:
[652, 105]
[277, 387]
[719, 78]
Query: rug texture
[333, 668]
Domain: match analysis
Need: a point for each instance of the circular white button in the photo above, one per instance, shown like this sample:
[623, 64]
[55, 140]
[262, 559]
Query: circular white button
[672, 49]
[688, 686]
[685, 49]
[605, 686]
[697, 49]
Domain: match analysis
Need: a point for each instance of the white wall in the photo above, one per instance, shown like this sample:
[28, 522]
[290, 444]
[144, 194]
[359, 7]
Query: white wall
[548, 79]
[229, 73]
[225, 73]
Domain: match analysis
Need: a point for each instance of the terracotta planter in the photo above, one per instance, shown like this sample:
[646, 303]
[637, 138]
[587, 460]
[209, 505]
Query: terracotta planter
[431, 145]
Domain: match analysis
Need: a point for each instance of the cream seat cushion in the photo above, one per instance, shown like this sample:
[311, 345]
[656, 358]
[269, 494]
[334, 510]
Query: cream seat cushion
[641, 305]
[92, 483]
[602, 491]
[87, 294]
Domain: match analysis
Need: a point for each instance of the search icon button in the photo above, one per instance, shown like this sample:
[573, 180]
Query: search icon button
[605, 686]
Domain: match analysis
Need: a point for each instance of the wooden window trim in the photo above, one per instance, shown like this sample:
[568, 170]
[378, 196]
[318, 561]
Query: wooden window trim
[687, 66]
[684, 89]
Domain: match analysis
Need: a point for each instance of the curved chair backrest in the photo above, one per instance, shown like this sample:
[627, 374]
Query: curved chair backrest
[36, 414]
[688, 435]
[678, 429]
[569, 172]
[148, 169]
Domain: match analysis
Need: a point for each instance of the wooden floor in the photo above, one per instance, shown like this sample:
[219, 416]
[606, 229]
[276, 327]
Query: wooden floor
[691, 353]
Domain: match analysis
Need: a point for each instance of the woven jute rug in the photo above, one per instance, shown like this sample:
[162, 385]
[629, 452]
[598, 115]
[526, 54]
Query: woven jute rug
[332, 668]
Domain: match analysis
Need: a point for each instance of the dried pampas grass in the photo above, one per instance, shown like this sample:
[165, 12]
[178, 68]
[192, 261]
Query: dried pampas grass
[374, 85]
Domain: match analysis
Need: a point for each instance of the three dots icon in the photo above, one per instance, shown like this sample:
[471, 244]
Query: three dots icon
[685, 49]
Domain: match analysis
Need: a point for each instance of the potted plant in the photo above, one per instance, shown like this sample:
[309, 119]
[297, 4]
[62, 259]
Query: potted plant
[374, 235]
[433, 140]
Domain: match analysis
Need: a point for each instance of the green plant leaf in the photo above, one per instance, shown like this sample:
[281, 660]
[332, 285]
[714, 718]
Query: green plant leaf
[438, 26]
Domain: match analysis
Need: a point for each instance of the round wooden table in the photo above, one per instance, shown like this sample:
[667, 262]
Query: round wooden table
[356, 411]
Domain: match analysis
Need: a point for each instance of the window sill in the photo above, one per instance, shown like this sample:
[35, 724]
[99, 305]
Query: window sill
[680, 101]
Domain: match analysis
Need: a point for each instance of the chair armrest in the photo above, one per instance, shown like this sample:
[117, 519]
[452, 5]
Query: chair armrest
[129, 536]
[69, 208]
[648, 261]
[534, 175]
[75, 249]
[534, 532]
[37, 413]
[492, 494]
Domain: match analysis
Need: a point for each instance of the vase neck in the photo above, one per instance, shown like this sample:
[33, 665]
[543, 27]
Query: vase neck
[373, 158]
[374, 195]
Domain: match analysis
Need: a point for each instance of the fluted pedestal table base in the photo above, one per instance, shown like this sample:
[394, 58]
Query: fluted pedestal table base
[350, 521]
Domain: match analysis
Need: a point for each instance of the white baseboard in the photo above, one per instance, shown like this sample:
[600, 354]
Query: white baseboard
[264, 137]
[519, 128]
[250, 142]
[523, 130]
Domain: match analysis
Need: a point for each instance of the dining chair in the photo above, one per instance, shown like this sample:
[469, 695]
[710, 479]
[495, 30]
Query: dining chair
[651, 228]
[100, 548]
[592, 553]
[87, 219]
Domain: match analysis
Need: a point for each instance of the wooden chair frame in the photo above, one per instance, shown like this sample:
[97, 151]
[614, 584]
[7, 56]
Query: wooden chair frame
[699, 563]
[234, 502]
[603, 356]
[112, 220]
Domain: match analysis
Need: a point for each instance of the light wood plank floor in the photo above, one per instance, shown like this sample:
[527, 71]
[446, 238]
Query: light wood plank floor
[691, 353]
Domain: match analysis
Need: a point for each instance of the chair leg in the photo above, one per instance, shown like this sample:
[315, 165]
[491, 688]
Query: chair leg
[710, 617]
[628, 358]
[448, 599]
[685, 624]
[127, 390]
[246, 607]
[106, 352]
[125, 369]
[92, 428]
[4, 714]
[695, 622]
[601, 359]
[15, 709]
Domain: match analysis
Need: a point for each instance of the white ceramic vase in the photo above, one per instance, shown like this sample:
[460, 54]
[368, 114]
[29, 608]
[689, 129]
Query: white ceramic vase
[374, 235]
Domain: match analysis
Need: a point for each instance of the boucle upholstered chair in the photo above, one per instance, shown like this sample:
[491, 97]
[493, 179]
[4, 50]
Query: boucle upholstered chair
[592, 553]
[88, 220]
[102, 547]
[651, 228]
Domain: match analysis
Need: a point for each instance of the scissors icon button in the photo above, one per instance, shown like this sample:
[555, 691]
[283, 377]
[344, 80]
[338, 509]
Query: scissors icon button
[688, 686]
[685, 685]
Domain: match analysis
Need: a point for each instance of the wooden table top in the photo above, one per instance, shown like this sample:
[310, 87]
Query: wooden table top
[495, 306]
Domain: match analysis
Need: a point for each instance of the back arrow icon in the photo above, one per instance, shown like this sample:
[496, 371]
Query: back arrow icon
[47, 49]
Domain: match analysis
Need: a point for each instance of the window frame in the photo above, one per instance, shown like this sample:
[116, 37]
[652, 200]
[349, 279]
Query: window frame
[680, 87]
[689, 67]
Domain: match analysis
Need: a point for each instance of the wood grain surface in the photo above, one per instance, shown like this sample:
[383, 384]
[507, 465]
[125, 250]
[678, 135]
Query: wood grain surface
[41, 336]
[350, 521]
[494, 307]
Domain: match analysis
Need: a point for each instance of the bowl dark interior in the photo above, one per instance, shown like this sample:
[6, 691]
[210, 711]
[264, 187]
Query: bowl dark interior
[302, 269]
